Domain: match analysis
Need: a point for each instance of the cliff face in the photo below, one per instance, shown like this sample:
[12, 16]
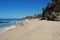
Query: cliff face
[52, 10]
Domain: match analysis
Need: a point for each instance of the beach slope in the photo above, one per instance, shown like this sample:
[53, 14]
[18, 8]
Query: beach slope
[33, 30]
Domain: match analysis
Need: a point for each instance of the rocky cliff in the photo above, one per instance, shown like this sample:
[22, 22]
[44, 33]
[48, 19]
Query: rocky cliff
[52, 10]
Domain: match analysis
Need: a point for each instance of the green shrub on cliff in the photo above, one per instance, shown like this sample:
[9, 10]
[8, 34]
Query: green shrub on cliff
[58, 5]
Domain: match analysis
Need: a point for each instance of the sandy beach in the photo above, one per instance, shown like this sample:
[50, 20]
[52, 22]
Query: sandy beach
[33, 30]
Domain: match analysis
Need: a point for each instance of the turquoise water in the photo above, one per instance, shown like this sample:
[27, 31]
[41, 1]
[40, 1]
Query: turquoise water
[9, 23]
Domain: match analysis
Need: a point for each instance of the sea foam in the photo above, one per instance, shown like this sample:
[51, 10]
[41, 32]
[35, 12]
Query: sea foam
[7, 28]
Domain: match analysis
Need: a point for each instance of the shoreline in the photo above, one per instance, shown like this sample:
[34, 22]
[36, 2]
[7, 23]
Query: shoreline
[7, 28]
[33, 30]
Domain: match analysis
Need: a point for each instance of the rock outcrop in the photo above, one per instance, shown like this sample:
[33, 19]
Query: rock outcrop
[51, 12]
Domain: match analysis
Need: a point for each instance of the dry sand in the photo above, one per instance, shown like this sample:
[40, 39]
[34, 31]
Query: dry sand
[33, 30]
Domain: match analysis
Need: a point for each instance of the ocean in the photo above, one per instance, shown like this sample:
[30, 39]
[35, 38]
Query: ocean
[8, 24]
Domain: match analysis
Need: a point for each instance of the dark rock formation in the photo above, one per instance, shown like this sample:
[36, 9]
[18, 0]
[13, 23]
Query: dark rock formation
[3, 22]
[50, 12]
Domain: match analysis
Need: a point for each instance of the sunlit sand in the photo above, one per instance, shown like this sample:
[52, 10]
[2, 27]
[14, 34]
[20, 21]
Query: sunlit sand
[33, 30]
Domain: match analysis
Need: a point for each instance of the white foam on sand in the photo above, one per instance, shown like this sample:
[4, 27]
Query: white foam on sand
[10, 27]
[7, 28]
[26, 20]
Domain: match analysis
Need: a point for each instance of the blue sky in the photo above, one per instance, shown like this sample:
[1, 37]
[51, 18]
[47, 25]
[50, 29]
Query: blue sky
[21, 8]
